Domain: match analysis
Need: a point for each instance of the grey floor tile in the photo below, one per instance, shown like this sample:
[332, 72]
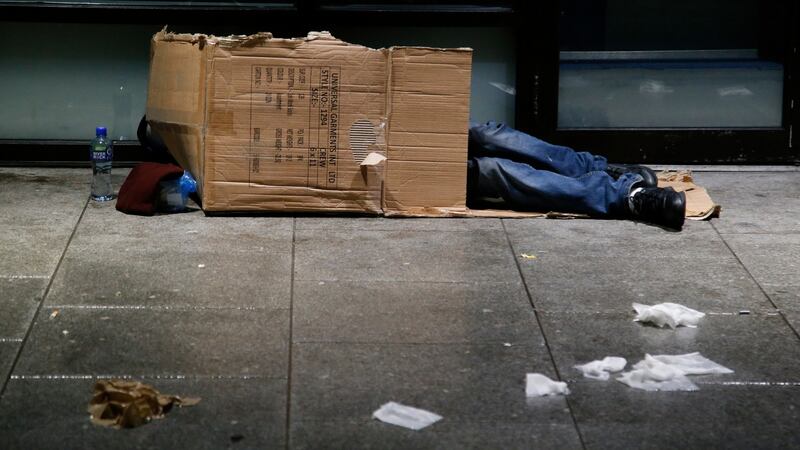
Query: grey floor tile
[32, 250]
[610, 415]
[771, 258]
[41, 196]
[8, 351]
[162, 278]
[755, 202]
[403, 256]
[445, 434]
[19, 298]
[161, 342]
[756, 347]
[179, 260]
[687, 436]
[38, 211]
[413, 313]
[787, 298]
[103, 226]
[585, 265]
[463, 383]
[397, 224]
[46, 414]
[612, 238]
[604, 284]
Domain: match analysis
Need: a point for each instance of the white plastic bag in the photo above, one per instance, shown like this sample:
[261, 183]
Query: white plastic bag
[670, 314]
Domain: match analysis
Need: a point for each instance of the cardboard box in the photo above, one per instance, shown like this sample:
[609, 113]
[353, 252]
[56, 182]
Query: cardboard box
[314, 124]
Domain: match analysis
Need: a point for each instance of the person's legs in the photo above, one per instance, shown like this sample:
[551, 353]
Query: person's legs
[501, 141]
[525, 188]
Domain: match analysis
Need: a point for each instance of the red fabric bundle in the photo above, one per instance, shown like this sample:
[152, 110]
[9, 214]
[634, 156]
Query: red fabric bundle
[139, 192]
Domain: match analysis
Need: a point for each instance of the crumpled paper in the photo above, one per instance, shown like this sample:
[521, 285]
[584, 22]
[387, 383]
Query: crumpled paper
[405, 416]
[668, 372]
[538, 385]
[128, 404]
[599, 369]
[670, 314]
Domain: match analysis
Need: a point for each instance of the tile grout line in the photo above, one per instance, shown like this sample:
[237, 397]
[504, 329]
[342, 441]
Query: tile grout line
[290, 343]
[541, 329]
[41, 302]
[752, 277]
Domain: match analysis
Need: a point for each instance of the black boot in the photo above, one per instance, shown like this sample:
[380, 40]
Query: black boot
[661, 206]
[649, 177]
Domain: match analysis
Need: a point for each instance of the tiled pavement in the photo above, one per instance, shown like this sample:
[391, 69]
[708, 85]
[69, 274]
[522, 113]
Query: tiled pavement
[294, 330]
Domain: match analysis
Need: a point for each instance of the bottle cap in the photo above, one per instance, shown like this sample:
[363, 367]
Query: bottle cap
[100, 131]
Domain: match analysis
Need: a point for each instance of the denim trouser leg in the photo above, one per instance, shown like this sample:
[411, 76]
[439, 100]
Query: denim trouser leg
[525, 188]
[502, 141]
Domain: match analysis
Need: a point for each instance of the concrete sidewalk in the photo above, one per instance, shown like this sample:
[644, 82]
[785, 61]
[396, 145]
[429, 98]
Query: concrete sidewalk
[294, 330]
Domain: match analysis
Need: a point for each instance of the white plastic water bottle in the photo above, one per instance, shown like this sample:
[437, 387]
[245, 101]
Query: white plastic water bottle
[101, 153]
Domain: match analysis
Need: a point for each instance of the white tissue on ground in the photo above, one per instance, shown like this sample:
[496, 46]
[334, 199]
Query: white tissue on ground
[689, 364]
[670, 314]
[538, 385]
[668, 372]
[662, 378]
[599, 370]
[405, 416]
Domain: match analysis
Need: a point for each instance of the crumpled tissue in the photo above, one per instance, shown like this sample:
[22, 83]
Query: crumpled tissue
[668, 372]
[689, 364]
[405, 416]
[538, 385]
[599, 369]
[671, 314]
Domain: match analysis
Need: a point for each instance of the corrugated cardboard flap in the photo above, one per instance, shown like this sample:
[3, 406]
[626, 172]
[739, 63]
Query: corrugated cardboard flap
[428, 105]
[176, 97]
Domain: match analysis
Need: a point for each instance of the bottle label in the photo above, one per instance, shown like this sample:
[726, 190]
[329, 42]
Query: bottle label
[102, 155]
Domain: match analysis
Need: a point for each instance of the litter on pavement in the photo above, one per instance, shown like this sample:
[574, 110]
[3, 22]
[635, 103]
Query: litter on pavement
[599, 369]
[128, 404]
[538, 385]
[670, 314]
[669, 372]
[405, 416]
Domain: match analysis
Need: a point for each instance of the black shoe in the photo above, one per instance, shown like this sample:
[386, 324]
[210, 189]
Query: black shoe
[649, 177]
[661, 206]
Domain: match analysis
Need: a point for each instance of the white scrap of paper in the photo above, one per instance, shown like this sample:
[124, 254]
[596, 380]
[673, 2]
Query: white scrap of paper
[689, 364]
[405, 416]
[599, 369]
[670, 314]
[668, 372]
[538, 385]
[659, 378]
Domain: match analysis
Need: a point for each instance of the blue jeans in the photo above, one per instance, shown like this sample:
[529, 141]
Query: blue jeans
[530, 174]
